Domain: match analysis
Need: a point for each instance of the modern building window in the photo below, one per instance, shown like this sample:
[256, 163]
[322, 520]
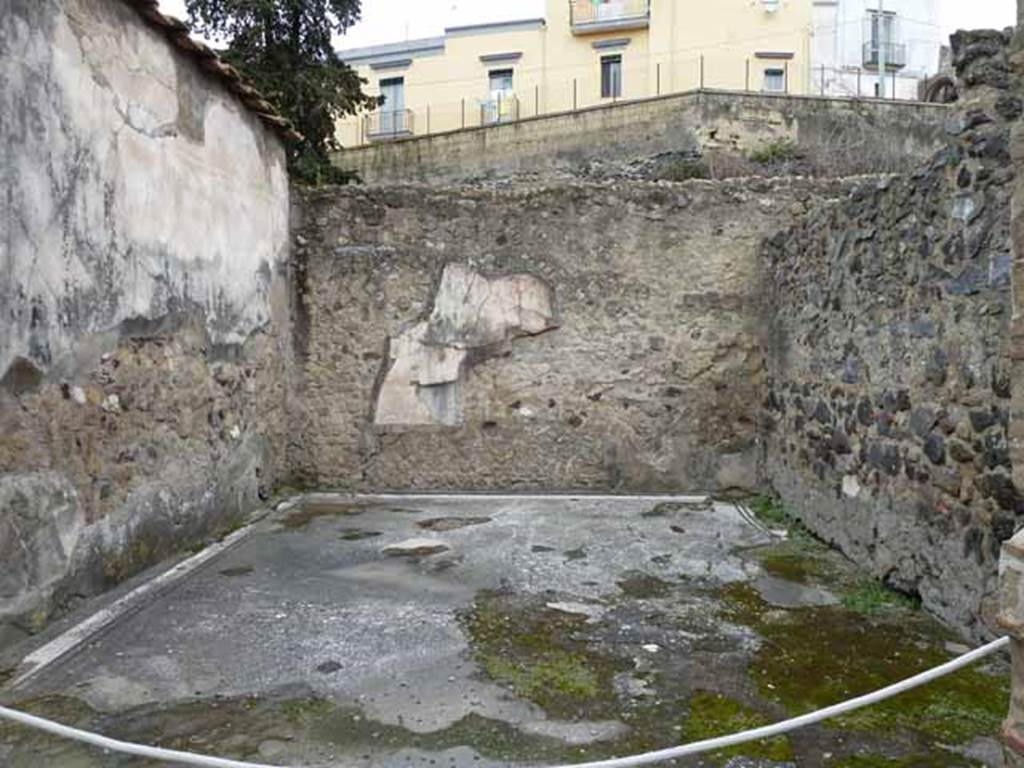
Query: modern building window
[611, 77]
[392, 110]
[883, 28]
[774, 80]
[501, 103]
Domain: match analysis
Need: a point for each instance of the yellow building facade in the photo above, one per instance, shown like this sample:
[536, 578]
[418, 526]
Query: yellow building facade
[583, 53]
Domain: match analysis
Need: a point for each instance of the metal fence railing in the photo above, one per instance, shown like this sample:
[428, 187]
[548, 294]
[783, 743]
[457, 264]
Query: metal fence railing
[895, 55]
[385, 124]
[501, 109]
[595, 14]
[580, 88]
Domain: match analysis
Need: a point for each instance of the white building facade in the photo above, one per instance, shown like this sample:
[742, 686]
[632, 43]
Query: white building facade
[849, 38]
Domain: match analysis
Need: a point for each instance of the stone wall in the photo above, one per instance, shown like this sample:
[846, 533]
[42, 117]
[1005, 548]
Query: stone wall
[835, 137]
[564, 336]
[144, 345]
[889, 383]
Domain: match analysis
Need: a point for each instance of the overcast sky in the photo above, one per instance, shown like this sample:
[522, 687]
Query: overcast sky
[386, 21]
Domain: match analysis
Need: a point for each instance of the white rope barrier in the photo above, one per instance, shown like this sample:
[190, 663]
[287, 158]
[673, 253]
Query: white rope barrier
[707, 745]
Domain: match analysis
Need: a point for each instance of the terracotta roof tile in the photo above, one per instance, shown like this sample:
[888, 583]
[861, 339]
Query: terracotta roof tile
[178, 33]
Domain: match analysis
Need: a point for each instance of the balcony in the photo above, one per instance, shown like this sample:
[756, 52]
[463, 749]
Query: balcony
[389, 124]
[589, 16]
[500, 108]
[895, 55]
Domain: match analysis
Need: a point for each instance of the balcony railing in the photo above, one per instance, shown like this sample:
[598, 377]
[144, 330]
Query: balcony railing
[587, 16]
[503, 108]
[895, 55]
[388, 124]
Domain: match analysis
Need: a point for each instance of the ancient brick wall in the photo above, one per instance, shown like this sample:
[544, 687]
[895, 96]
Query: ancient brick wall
[889, 383]
[566, 336]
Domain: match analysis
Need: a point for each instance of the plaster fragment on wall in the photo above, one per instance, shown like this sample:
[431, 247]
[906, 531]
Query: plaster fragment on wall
[474, 317]
[851, 486]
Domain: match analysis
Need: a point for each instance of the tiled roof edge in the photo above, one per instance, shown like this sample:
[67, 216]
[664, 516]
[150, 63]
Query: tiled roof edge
[178, 34]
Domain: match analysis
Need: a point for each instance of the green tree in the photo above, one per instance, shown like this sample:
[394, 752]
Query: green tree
[284, 47]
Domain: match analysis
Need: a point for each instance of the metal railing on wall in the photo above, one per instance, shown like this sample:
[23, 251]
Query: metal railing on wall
[389, 124]
[594, 13]
[574, 89]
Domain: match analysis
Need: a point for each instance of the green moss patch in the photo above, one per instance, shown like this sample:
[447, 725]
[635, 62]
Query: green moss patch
[533, 651]
[799, 567]
[813, 657]
[769, 510]
[714, 715]
[870, 596]
[920, 760]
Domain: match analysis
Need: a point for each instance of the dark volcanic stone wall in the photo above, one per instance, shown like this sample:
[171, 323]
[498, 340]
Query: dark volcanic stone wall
[889, 385]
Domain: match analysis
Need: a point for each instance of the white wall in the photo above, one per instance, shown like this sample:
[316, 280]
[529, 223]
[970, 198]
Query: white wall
[839, 33]
[131, 184]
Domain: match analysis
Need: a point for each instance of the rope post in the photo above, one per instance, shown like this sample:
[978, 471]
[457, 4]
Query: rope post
[428, 119]
[702, 71]
[536, 100]
[657, 79]
[574, 94]
[463, 112]
[746, 82]
[497, 116]
[894, 85]
[822, 79]
[1011, 619]
[858, 82]
[785, 77]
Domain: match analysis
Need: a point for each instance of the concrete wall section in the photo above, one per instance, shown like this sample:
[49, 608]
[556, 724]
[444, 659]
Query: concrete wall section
[143, 345]
[554, 337]
[840, 136]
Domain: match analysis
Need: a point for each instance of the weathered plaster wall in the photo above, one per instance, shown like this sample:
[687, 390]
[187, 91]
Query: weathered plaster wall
[564, 336]
[889, 381]
[836, 136]
[144, 343]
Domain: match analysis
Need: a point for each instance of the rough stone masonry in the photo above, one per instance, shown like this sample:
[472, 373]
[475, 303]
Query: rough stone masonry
[563, 336]
[144, 303]
[889, 382]
[169, 356]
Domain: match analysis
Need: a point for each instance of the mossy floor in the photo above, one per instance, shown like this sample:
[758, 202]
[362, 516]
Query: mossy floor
[654, 658]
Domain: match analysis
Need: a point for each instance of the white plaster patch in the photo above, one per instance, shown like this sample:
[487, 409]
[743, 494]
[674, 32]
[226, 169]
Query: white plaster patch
[851, 486]
[471, 313]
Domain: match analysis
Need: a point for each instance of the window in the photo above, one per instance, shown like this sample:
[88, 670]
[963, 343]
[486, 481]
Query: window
[500, 80]
[774, 80]
[611, 77]
[392, 110]
[883, 28]
[501, 104]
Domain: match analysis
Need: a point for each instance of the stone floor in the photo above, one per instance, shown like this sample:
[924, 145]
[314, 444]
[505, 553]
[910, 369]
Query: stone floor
[495, 630]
